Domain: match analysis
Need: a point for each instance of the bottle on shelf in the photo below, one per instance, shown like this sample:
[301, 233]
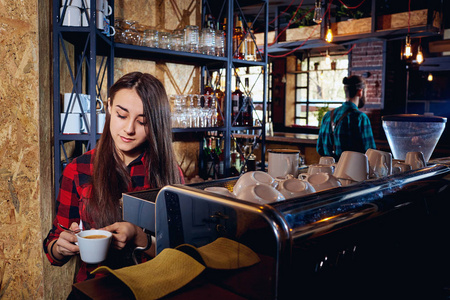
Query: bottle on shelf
[250, 47]
[247, 106]
[236, 102]
[235, 160]
[238, 43]
[207, 89]
[220, 96]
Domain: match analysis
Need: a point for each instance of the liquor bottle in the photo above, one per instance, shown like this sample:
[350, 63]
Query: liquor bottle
[247, 107]
[236, 101]
[207, 89]
[209, 159]
[250, 48]
[238, 44]
[235, 160]
[221, 156]
[220, 95]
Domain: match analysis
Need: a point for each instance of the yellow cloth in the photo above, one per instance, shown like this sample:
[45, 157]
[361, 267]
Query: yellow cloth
[226, 254]
[167, 272]
[172, 269]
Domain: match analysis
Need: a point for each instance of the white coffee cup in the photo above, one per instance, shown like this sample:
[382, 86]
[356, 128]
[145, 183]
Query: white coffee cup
[416, 160]
[283, 162]
[353, 166]
[76, 3]
[85, 17]
[70, 123]
[94, 250]
[326, 160]
[318, 168]
[219, 190]
[101, 118]
[85, 122]
[400, 167]
[321, 181]
[260, 194]
[100, 19]
[72, 17]
[380, 163]
[293, 187]
[253, 178]
[103, 6]
[72, 105]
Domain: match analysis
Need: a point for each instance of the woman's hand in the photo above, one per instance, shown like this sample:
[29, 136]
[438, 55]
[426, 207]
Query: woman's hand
[65, 244]
[123, 232]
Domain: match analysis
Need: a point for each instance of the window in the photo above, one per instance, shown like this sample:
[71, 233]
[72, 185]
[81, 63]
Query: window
[318, 84]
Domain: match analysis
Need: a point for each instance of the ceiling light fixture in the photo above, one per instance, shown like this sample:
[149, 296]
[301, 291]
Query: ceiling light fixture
[419, 56]
[408, 52]
[329, 35]
[318, 12]
[430, 77]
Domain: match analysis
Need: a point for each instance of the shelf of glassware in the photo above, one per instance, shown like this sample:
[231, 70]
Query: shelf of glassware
[208, 129]
[149, 53]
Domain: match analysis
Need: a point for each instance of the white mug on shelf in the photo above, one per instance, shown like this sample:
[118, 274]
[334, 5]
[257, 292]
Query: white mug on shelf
[101, 117]
[72, 103]
[103, 6]
[76, 3]
[85, 17]
[70, 123]
[71, 17]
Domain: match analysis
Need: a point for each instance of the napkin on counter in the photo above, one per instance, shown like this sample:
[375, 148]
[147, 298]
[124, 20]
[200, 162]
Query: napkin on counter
[167, 272]
[174, 268]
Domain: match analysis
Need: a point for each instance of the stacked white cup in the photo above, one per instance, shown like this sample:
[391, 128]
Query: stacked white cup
[75, 118]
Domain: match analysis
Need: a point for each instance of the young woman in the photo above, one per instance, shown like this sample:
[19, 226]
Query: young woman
[134, 153]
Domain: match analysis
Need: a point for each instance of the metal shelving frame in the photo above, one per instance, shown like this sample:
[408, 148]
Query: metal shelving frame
[89, 43]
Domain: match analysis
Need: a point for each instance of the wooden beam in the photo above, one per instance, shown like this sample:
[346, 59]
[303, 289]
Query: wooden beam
[439, 46]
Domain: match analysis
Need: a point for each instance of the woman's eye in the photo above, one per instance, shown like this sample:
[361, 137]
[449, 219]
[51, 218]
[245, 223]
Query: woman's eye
[141, 123]
[120, 116]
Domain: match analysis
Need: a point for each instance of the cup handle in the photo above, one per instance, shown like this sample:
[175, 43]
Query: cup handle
[303, 176]
[108, 10]
[82, 123]
[113, 31]
[101, 105]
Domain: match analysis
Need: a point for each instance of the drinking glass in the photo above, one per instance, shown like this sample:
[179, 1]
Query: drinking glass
[220, 43]
[178, 40]
[164, 40]
[208, 41]
[151, 38]
[192, 38]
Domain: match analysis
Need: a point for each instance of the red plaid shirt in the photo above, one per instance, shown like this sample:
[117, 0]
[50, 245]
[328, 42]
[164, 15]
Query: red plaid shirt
[71, 204]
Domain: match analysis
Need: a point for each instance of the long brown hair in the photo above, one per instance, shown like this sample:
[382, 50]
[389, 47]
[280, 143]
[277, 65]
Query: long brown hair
[110, 176]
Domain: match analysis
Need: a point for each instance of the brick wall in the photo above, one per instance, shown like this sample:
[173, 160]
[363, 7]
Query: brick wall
[366, 59]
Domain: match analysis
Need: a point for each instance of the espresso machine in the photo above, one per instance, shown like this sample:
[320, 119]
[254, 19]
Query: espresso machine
[381, 238]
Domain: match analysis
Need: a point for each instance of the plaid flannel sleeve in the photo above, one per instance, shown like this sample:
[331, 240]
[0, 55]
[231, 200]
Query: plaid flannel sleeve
[366, 133]
[66, 208]
[323, 146]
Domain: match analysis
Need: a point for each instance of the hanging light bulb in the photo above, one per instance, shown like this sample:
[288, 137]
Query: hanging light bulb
[328, 59]
[318, 12]
[419, 57]
[430, 77]
[329, 35]
[408, 52]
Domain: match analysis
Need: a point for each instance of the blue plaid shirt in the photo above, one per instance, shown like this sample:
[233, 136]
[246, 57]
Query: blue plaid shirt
[353, 133]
